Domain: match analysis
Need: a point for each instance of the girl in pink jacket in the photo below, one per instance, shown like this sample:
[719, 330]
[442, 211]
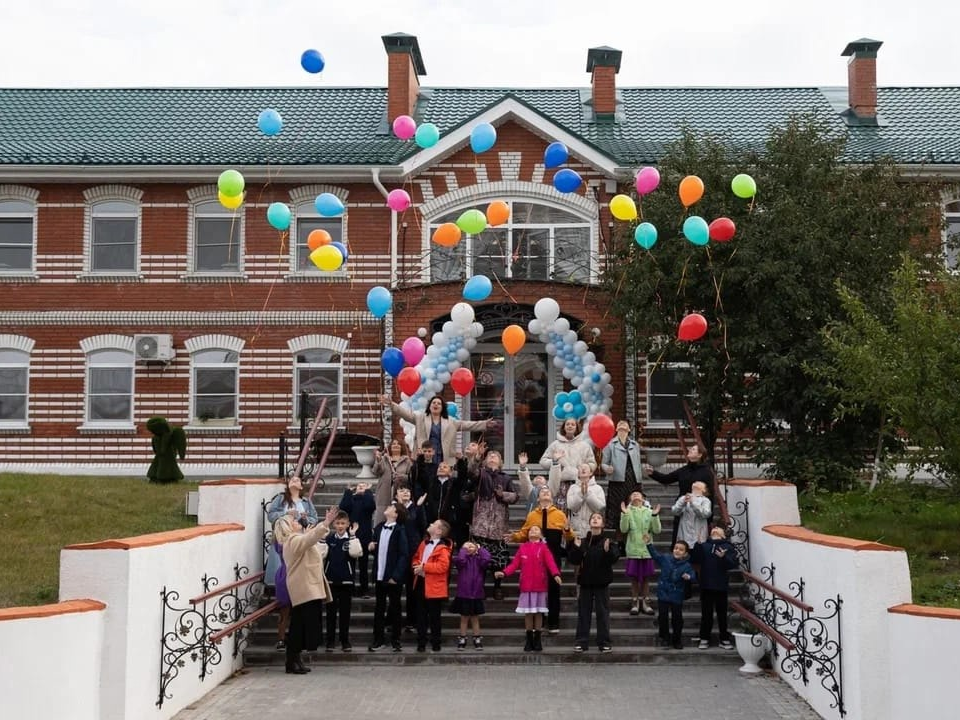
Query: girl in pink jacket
[536, 565]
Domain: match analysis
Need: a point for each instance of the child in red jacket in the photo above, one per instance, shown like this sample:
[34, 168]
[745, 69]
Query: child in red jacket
[431, 570]
[536, 565]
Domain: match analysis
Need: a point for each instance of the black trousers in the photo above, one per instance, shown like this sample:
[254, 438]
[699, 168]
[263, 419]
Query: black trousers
[411, 612]
[713, 601]
[305, 630]
[429, 610]
[363, 572]
[670, 617]
[593, 598]
[553, 594]
[339, 609]
[386, 612]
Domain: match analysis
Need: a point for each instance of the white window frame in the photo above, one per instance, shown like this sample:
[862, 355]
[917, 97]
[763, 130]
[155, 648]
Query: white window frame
[97, 200]
[218, 343]
[10, 197]
[304, 209]
[651, 369]
[11, 347]
[204, 205]
[305, 344]
[92, 364]
[951, 258]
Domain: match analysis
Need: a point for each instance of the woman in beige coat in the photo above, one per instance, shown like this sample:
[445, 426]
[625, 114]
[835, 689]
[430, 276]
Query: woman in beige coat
[306, 584]
[437, 427]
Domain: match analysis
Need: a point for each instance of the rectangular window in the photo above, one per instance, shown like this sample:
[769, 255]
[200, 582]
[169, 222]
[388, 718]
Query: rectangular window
[215, 374]
[113, 238]
[319, 374]
[110, 387]
[490, 253]
[951, 251]
[14, 366]
[447, 263]
[531, 254]
[665, 392]
[16, 236]
[305, 226]
[571, 261]
[218, 245]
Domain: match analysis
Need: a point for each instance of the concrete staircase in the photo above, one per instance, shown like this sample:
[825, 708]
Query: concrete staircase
[633, 637]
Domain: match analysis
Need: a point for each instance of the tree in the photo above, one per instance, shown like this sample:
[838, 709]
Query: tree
[768, 293]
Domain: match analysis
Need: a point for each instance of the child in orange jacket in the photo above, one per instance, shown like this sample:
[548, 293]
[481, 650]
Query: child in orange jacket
[431, 570]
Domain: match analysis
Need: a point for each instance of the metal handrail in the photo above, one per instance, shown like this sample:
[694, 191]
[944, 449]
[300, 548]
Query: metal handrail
[220, 590]
[248, 620]
[777, 591]
[309, 441]
[761, 626]
[717, 498]
[322, 461]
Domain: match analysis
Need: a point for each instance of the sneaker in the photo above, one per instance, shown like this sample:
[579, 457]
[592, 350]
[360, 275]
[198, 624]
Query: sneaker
[281, 645]
[462, 642]
[635, 608]
[579, 648]
[409, 629]
[421, 648]
[678, 646]
[330, 648]
[435, 648]
[398, 647]
[647, 610]
[478, 642]
[347, 647]
[376, 646]
[606, 649]
[703, 645]
[554, 631]
[726, 645]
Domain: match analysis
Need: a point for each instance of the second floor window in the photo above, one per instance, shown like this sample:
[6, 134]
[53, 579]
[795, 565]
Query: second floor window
[216, 236]
[110, 387]
[308, 220]
[16, 236]
[666, 383]
[951, 250]
[113, 237]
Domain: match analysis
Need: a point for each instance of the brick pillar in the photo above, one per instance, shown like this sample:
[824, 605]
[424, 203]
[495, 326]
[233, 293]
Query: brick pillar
[862, 76]
[404, 68]
[603, 64]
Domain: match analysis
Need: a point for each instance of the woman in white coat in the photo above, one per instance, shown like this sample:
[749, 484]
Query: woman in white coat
[437, 427]
[563, 457]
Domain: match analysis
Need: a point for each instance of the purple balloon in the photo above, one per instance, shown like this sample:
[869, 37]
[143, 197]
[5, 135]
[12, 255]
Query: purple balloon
[413, 350]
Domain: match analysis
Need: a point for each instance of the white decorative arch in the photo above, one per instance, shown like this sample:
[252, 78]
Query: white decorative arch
[202, 193]
[511, 189]
[17, 342]
[19, 192]
[107, 342]
[309, 192]
[112, 192]
[308, 342]
[214, 342]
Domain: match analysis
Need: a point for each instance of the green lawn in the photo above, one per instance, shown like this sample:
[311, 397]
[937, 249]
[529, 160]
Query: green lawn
[39, 514]
[923, 520]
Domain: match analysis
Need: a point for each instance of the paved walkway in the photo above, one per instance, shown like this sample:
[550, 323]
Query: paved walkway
[510, 692]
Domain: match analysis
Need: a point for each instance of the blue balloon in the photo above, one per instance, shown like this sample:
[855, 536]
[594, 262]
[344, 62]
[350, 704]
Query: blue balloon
[579, 410]
[312, 61]
[278, 215]
[645, 235]
[555, 155]
[427, 135]
[558, 413]
[453, 410]
[596, 377]
[561, 398]
[328, 205]
[392, 361]
[575, 397]
[477, 288]
[379, 301]
[483, 137]
[342, 248]
[566, 180]
[270, 122]
[696, 230]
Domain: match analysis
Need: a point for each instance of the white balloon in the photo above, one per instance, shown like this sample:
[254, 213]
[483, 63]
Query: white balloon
[570, 337]
[561, 325]
[605, 378]
[547, 310]
[576, 381]
[462, 315]
[443, 378]
[567, 373]
[551, 349]
[559, 362]
[599, 367]
[429, 373]
[433, 351]
[607, 390]
[535, 327]
[463, 354]
[452, 365]
[580, 348]
[449, 329]
[440, 340]
[589, 359]
[470, 343]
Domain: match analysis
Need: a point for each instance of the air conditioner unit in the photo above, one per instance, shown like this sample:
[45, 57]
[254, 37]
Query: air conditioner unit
[153, 348]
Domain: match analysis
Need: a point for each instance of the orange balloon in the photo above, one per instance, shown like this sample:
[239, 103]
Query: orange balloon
[318, 238]
[691, 190]
[513, 338]
[498, 212]
[447, 235]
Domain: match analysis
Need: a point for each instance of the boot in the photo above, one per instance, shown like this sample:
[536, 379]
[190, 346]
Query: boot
[529, 646]
[537, 645]
[293, 665]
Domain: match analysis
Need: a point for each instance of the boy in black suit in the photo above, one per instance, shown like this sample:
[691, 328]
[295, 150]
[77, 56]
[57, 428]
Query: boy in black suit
[391, 560]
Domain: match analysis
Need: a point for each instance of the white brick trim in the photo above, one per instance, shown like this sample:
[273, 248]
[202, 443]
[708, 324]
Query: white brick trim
[309, 192]
[510, 189]
[8, 341]
[186, 318]
[107, 342]
[112, 192]
[213, 342]
[19, 192]
[307, 342]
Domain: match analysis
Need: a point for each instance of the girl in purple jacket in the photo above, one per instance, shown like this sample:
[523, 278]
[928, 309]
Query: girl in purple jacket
[471, 563]
[537, 567]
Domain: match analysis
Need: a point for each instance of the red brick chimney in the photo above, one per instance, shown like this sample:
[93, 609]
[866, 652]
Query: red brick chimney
[862, 76]
[404, 66]
[603, 64]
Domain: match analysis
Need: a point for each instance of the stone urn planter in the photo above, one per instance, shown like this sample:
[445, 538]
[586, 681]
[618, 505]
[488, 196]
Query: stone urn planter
[656, 456]
[364, 455]
[751, 647]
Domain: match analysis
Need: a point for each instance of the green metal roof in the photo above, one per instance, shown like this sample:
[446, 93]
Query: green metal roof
[347, 126]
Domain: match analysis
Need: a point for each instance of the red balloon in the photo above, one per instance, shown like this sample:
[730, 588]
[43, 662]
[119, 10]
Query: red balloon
[722, 229]
[409, 381]
[461, 380]
[601, 430]
[692, 327]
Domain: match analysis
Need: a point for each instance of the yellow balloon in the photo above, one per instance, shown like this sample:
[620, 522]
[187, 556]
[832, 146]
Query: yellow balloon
[230, 202]
[327, 257]
[622, 207]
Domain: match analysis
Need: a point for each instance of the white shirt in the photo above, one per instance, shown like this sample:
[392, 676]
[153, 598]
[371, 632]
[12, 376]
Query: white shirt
[428, 551]
[383, 547]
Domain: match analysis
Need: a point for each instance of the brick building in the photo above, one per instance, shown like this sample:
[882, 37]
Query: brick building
[128, 291]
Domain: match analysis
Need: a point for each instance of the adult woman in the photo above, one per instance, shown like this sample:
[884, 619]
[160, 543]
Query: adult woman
[694, 471]
[306, 583]
[437, 427]
[491, 512]
[563, 457]
[289, 502]
[620, 462]
[392, 469]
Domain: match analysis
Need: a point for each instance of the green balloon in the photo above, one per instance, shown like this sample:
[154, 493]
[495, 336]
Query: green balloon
[743, 186]
[472, 222]
[230, 183]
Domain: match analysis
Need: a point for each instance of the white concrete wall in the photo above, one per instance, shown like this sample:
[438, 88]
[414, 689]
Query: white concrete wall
[50, 660]
[922, 649]
[239, 500]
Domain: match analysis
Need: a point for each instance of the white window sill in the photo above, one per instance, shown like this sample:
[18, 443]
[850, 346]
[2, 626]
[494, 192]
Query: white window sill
[18, 276]
[14, 429]
[319, 276]
[104, 429]
[213, 277]
[110, 277]
[206, 429]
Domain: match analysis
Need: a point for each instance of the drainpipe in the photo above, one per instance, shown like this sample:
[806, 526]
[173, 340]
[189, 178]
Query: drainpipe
[386, 333]
[375, 175]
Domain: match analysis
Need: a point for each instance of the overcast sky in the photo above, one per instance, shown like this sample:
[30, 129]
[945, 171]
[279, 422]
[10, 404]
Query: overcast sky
[476, 43]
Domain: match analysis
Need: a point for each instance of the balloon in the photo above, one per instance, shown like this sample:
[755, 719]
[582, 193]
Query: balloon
[647, 180]
[404, 127]
[477, 288]
[327, 257]
[645, 235]
[392, 361]
[461, 380]
[462, 315]
[498, 212]
[413, 350]
[447, 235]
[379, 301]
[230, 202]
[427, 135]
[278, 215]
[691, 190]
[398, 200]
[555, 155]
[472, 222]
[601, 430]
[312, 61]
[622, 207]
[696, 230]
[318, 238]
[328, 205]
[483, 137]
[546, 311]
[230, 183]
[409, 381]
[692, 327]
[566, 180]
[743, 186]
[513, 339]
[342, 248]
[453, 410]
[722, 229]
[269, 122]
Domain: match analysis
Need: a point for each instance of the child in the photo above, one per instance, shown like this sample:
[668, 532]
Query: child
[471, 563]
[638, 523]
[693, 511]
[536, 565]
[716, 558]
[424, 470]
[431, 570]
[531, 490]
[594, 557]
[343, 548]
[675, 570]
[390, 561]
[359, 503]
[496, 492]
[584, 498]
[415, 526]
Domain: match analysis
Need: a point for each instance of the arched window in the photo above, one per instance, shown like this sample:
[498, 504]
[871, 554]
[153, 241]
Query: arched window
[215, 245]
[114, 233]
[214, 382]
[951, 245]
[319, 373]
[306, 220]
[17, 233]
[14, 380]
[109, 387]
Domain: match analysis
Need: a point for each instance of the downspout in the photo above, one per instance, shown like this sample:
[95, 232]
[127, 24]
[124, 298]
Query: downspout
[375, 175]
[386, 328]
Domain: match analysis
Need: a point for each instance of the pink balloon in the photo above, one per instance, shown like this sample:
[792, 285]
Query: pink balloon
[404, 127]
[413, 350]
[647, 180]
[398, 200]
